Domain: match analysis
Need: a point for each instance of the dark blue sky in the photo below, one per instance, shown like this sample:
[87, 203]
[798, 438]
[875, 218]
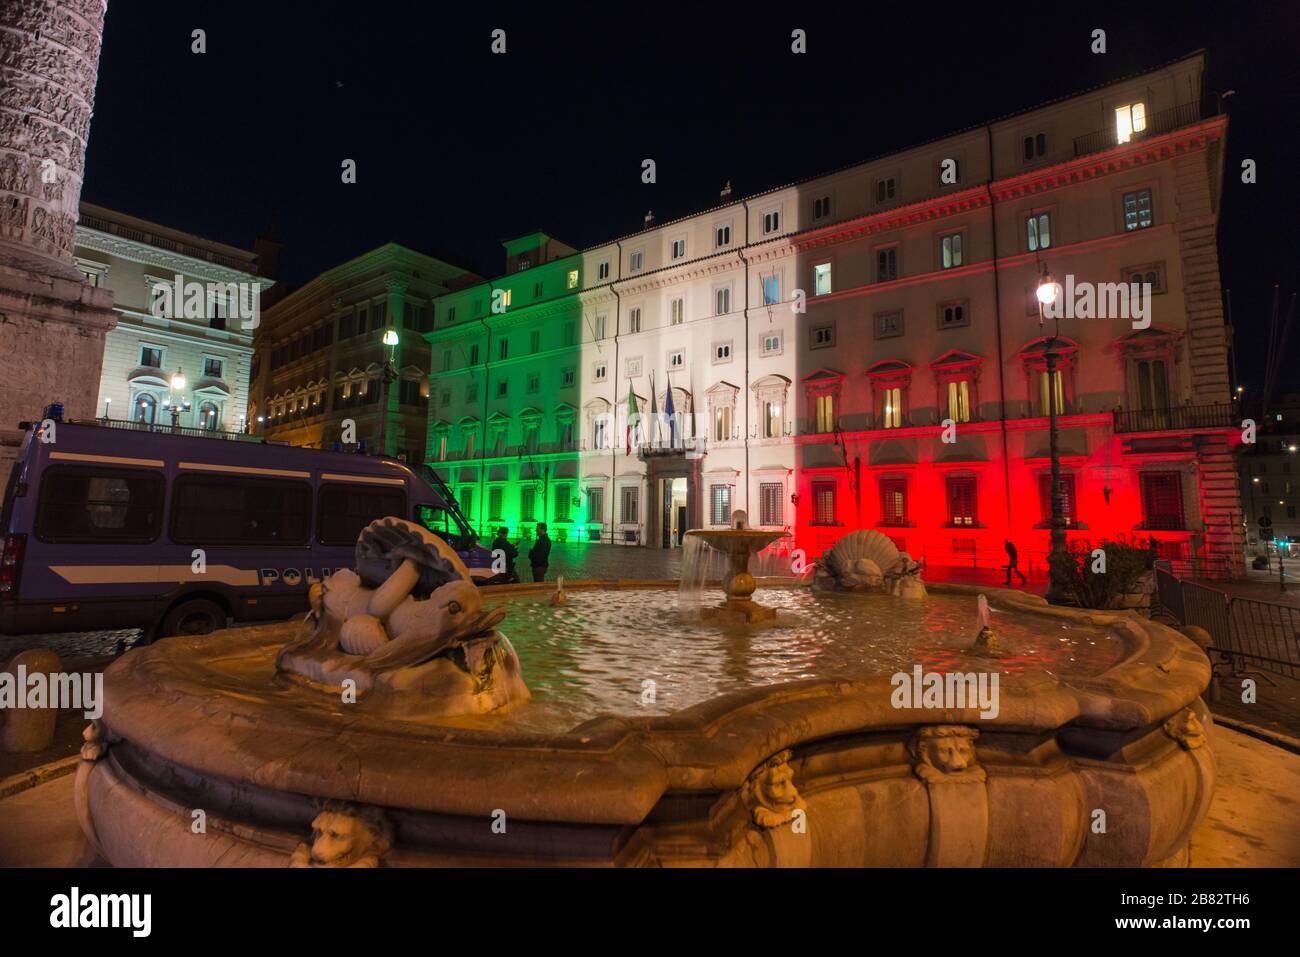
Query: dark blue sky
[458, 149]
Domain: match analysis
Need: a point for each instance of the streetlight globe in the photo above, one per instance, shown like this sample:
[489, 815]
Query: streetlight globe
[1047, 289]
[178, 381]
[390, 337]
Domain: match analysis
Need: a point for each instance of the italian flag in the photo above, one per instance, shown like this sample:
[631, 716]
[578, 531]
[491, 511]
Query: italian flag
[633, 417]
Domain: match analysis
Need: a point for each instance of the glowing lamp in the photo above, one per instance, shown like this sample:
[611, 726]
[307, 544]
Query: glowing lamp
[178, 381]
[390, 337]
[1047, 289]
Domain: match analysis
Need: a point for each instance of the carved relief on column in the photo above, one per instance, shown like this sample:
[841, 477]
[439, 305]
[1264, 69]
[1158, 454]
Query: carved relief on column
[49, 58]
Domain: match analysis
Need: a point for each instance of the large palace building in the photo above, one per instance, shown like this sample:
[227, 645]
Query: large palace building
[865, 349]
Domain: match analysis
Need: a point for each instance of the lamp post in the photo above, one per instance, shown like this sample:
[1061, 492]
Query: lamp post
[108, 404]
[1047, 293]
[176, 408]
[389, 376]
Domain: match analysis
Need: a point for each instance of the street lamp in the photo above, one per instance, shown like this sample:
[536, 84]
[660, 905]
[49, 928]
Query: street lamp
[1047, 292]
[389, 376]
[176, 408]
[108, 402]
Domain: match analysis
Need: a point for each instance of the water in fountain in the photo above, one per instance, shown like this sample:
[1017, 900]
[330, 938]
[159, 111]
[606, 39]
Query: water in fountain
[701, 563]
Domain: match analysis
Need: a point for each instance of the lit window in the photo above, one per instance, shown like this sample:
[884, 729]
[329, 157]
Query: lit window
[821, 279]
[951, 250]
[891, 408]
[771, 290]
[572, 281]
[959, 400]
[721, 423]
[1130, 119]
[720, 504]
[1053, 385]
[773, 423]
[825, 414]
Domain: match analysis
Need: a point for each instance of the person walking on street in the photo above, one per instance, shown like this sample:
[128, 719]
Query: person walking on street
[1013, 563]
[511, 553]
[539, 556]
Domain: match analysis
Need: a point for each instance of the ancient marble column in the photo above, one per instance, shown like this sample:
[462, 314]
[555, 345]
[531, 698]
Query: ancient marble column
[52, 324]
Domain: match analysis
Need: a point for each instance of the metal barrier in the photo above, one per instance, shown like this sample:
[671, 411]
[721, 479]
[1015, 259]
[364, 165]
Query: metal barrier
[1261, 635]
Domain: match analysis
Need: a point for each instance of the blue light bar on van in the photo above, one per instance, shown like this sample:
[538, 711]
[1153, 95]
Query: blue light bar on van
[54, 411]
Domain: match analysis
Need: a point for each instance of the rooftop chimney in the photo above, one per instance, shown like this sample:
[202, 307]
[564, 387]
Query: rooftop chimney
[726, 191]
[649, 218]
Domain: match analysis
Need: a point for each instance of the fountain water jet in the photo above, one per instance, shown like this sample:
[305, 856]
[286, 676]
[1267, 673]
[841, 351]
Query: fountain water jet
[738, 543]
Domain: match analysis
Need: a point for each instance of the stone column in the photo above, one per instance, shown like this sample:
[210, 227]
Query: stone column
[52, 325]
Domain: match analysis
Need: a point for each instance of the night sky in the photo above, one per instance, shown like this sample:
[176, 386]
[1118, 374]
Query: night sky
[457, 148]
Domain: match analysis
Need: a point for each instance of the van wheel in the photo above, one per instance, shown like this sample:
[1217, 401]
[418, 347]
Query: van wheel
[197, 617]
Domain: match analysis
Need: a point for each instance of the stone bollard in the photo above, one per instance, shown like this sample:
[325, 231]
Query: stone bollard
[23, 728]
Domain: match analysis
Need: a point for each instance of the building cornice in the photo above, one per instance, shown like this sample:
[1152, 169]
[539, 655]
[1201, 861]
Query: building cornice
[138, 252]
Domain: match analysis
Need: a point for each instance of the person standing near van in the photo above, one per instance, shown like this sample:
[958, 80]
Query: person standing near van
[539, 556]
[502, 542]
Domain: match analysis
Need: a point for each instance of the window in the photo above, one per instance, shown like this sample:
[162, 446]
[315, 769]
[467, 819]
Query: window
[771, 503]
[471, 392]
[533, 382]
[473, 354]
[496, 494]
[678, 248]
[92, 505]
[1152, 274]
[893, 501]
[721, 423]
[821, 279]
[677, 312]
[503, 388]
[1053, 386]
[209, 417]
[887, 264]
[571, 280]
[891, 407]
[821, 207]
[886, 189]
[722, 352]
[676, 359]
[822, 337]
[602, 270]
[633, 367]
[719, 504]
[1130, 119]
[889, 324]
[598, 431]
[595, 505]
[1162, 501]
[722, 236]
[950, 251]
[570, 333]
[601, 327]
[823, 494]
[503, 349]
[958, 408]
[598, 372]
[771, 289]
[771, 222]
[953, 314]
[1137, 210]
[567, 378]
[722, 301]
[528, 503]
[1045, 499]
[825, 414]
[771, 344]
[628, 509]
[961, 500]
[451, 317]
[773, 420]
[342, 511]
[1035, 146]
[634, 319]
[226, 510]
[1038, 230]
[563, 497]
[151, 357]
[535, 341]
[212, 368]
[636, 261]
[1152, 384]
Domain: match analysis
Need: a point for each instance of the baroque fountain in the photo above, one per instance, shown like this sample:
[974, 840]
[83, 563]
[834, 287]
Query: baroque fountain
[396, 725]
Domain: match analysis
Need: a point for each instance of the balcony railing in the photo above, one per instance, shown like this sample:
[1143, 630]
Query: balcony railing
[1177, 418]
[1157, 123]
[162, 428]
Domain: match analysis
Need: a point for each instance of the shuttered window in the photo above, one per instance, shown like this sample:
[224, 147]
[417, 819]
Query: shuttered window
[823, 503]
[1045, 498]
[961, 500]
[1162, 500]
[720, 504]
[893, 501]
[770, 504]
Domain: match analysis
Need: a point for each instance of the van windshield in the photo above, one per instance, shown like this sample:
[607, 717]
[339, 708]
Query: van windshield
[443, 523]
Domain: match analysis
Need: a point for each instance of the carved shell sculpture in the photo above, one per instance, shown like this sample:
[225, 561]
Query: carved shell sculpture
[410, 598]
[860, 559]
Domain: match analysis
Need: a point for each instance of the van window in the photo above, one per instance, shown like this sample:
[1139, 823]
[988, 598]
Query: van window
[342, 511]
[207, 510]
[90, 505]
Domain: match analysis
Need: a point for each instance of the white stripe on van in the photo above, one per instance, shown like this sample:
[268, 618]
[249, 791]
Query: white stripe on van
[131, 574]
[242, 469]
[375, 479]
[109, 459]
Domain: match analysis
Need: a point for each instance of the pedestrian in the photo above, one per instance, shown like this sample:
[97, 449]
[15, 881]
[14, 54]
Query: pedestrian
[1013, 561]
[502, 542]
[539, 556]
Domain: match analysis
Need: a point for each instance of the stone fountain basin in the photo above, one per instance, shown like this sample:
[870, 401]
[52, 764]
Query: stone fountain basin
[183, 733]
